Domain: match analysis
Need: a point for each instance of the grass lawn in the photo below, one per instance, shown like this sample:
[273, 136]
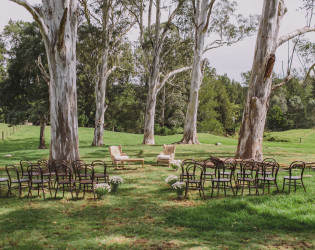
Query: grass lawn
[145, 214]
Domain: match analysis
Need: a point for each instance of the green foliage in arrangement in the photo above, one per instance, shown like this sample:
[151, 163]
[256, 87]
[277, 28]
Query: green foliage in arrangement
[146, 212]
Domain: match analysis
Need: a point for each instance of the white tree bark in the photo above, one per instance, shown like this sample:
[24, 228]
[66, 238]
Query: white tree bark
[260, 86]
[254, 116]
[58, 24]
[201, 17]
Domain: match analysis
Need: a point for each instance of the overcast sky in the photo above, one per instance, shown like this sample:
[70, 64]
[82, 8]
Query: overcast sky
[232, 60]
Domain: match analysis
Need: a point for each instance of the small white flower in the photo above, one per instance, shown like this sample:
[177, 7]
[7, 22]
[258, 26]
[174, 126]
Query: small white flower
[179, 186]
[171, 179]
[116, 180]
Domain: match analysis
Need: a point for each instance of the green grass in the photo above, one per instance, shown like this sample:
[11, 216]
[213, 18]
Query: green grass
[145, 214]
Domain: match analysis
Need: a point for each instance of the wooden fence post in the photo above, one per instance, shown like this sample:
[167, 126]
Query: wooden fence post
[2, 135]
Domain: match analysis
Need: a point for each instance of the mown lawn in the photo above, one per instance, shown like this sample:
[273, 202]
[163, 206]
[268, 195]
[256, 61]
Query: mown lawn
[145, 214]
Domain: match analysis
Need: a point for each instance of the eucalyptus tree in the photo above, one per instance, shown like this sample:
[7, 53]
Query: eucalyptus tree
[215, 18]
[57, 21]
[152, 38]
[108, 21]
[260, 86]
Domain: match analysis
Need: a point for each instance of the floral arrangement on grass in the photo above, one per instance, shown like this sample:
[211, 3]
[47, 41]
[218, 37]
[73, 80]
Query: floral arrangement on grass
[171, 179]
[102, 189]
[179, 187]
[176, 164]
[115, 181]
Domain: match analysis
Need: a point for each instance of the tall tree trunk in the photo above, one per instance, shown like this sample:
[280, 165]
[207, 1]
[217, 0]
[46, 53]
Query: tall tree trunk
[190, 128]
[163, 107]
[42, 144]
[100, 93]
[254, 116]
[57, 21]
[148, 137]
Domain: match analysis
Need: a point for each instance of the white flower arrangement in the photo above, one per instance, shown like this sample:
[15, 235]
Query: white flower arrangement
[179, 187]
[175, 164]
[102, 189]
[116, 180]
[171, 179]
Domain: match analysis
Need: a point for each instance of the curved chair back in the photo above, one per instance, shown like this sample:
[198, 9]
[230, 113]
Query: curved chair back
[185, 163]
[194, 171]
[24, 165]
[63, 172]
[34, 168]
[13, 173]
[101, 164]
[267, 167]
[297, 165]
[247, 167]
[85, 172]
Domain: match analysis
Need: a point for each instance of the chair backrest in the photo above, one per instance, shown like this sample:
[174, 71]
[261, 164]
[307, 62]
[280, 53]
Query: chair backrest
[268, 166]
[169, 150]
[13, 172]
[63, 171]
[194, 171]
[76, 164]
[85, 172]
[297, 165]
[58, 163]
[24, 165]
[99, 164]
[185, 163]
[34, 168]
[115, 151]
[247, 166]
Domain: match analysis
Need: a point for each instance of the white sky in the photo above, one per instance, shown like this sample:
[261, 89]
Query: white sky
[231, 60]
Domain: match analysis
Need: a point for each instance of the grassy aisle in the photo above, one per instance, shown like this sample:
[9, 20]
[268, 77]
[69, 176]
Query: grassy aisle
[144, 213]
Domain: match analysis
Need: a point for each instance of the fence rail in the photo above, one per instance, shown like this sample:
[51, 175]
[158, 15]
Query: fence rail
[7, 132]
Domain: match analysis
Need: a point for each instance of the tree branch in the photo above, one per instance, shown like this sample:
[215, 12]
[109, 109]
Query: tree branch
[36, 15]
[170, 74]
[210, 6]
[309, 71]
[293, 34]
[288, 78]
[43, 70]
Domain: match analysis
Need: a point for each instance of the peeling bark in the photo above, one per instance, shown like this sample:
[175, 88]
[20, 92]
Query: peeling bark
[254, 116]
[57, 21]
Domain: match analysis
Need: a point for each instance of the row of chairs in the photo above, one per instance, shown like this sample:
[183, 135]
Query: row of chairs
[224, 175]
[54, 174]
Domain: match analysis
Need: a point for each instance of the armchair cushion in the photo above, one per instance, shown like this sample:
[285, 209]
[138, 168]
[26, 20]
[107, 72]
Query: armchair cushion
[164, 157]
[121, 157]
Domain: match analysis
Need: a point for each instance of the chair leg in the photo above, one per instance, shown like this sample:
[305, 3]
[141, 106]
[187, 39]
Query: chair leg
[289, 185]
[20, 190]
[283, 185]
[56, 190]
[232, 188]
[303, 185]
[277, 186]
[43, 190]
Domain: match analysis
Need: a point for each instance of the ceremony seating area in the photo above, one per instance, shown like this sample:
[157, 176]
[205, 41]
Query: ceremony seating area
[55, 175]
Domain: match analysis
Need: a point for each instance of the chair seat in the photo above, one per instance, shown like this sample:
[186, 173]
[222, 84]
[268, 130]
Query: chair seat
[39, 181]
[221, 180]
[292, 177]
[65, 181]
[267, 173]
[48, 174]
[21, 180]
[266, 178]
[87, 181]
[226, 173]
[245, 179]
[100, 175]
[193, 181]
[3, 179]
[208, 173]
[246, 173]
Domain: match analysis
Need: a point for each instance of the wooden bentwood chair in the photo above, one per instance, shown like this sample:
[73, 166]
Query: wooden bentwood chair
[223, 180]
[194, 178]
[293, 179]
